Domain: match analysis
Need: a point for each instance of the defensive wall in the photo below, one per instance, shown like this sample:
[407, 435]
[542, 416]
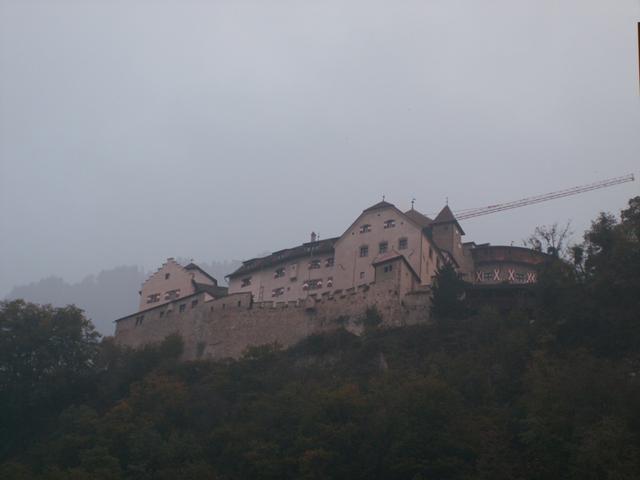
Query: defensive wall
[227, 326]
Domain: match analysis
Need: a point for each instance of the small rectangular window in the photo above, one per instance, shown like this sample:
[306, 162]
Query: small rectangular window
[139, 320]
[520, 277]
[166, 276]
[172, 294]
[276, 292]
[389, 224]
[330, 261]
[153, 298]
[403, 243]
[278, 273]
[246, 282]
[361, 275]
[194, 303]
[182, 308]
[364, 251]
[388, 268]
[488, 275]
[365, 228]
[313, 264]
[383, 247]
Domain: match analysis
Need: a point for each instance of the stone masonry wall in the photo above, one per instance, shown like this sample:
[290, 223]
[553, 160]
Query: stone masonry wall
[227, 326]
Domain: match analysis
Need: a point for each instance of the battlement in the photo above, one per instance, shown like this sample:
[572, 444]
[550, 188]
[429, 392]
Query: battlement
[227, 326]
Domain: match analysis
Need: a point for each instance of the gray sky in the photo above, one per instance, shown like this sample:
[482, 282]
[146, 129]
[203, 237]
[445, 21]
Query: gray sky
[131, 131]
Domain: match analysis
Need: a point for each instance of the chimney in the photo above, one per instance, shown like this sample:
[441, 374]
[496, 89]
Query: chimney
[313, 236]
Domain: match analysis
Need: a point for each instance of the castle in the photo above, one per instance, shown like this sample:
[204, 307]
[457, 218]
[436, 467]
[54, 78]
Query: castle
[386, 258]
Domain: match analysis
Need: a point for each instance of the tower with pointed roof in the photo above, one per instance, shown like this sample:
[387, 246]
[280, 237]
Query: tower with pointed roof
[447, 233]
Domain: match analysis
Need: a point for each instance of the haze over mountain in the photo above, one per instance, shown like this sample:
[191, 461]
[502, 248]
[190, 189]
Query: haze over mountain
[132, 131]
[106, 296]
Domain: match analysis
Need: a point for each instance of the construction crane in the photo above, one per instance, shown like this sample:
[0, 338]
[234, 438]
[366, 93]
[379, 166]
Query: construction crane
[499, 207]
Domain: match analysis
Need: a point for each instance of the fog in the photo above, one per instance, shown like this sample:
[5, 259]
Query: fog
[132, 131]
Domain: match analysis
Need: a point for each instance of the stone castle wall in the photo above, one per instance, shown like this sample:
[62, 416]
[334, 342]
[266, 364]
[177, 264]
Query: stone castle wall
[227, 326]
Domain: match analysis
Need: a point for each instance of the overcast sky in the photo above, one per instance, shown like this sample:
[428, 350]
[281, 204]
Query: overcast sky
[131, 131]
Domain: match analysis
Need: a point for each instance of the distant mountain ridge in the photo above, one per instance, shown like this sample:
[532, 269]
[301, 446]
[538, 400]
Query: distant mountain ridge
[109, 295]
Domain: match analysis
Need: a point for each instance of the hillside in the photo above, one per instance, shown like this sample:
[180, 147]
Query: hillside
[550, 390]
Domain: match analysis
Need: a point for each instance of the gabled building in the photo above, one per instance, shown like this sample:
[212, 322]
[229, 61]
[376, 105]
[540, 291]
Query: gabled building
[351, 260]
[173, 281]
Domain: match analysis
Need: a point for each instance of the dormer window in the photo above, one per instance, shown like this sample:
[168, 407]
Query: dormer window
[365, 228]
[246, 282]
[389, 223]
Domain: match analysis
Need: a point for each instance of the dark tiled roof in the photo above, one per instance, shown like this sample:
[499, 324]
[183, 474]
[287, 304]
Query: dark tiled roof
[193, 266]
[319, 247]
[418, 218]
[447, 216]
[379, 206]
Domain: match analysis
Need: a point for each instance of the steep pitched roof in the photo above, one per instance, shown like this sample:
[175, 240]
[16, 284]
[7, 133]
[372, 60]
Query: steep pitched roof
[379, 206]
[447, 216]
[418, 218]
[193, 266]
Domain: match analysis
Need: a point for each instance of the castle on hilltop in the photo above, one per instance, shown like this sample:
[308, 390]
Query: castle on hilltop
[386, 258]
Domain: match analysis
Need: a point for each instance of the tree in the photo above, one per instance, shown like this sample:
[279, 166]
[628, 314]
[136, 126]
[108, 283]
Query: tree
[46, 356]
[448, 294]
[551, 239]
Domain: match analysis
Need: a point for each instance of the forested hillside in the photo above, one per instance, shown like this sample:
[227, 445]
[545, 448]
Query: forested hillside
[546, 391]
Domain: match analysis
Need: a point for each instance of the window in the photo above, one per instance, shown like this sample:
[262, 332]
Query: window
[182, 308]
[365, 228]
[389, 223]
[278, 273]
[276, 292]
[383, 247]
[388, 268]
[364, 251]
[246, 282]
[330, 261]
[487, 275]
[361, 275]
[153, 298]
[520, 277]
[139, 320]
[403, 243]
[172, 294]
[194, 303]
[313, 264]
[314, 284]
[166, 276]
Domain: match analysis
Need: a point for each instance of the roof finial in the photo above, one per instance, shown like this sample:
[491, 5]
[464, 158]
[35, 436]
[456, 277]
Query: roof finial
[383, 197]
[413, 201]
[447, 200]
